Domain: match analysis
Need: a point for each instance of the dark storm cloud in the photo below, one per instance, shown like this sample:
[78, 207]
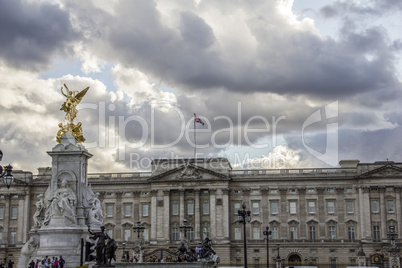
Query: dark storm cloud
[366, 146]
[286, 60]
[377, 8]
[31, 33]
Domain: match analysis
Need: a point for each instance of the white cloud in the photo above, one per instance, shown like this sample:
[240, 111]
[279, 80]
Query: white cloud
[280, 157]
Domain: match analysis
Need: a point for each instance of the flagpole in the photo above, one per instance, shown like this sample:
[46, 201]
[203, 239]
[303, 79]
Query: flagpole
[195, 140]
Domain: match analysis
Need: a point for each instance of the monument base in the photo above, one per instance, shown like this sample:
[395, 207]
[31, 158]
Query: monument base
[60, 241]
[166, 264]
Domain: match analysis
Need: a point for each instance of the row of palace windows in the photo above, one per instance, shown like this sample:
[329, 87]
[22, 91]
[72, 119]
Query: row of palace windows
[145, 209]
[312, 232]
[255, 208]
[293, 233]
[14, 213]
[312, 205]
[175, 234]
[256, 233]
[274, 205]
[313, 190]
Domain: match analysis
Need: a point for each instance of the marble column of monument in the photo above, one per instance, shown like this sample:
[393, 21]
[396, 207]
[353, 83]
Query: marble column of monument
[68, 200]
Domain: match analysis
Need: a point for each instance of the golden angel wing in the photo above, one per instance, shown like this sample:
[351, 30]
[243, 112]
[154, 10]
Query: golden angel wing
[81, 94]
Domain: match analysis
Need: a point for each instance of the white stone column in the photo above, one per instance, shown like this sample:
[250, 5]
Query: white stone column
[27, 204]
[166, 214]
[364, 207]
[153, 217]
[226, 220]
[212, 213]
[398, 209]
[181, 211]
[197, 223]
[383, 211]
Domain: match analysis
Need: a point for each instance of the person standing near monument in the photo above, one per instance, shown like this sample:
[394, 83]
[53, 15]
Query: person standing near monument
[100, 247]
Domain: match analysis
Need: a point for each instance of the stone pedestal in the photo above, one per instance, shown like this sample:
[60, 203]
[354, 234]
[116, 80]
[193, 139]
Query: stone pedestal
[394, 257]
[65, 219]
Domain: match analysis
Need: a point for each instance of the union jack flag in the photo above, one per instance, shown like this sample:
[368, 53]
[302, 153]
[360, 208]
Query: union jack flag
[198, 120]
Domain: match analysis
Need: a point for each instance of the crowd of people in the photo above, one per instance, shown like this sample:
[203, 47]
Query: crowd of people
[8, 264]
[48, 262]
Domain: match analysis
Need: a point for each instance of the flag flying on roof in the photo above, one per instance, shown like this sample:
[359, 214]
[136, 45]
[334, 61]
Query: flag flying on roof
[198, 120]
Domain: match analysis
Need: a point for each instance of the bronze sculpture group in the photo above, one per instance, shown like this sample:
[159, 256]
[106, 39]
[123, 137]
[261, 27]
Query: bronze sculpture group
[105, 247]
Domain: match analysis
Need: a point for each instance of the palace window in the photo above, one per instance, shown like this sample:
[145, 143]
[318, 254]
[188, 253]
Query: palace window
[331, 207]
[390, 206]
[256, 233]
[237, 233]
[374, 206]
[13, 237]
[205, 208]
[312, 233]
[127, 210]
[351, 232]
[109, 210]
[127, 234]
[292, 207]
[256, 208]
[1, 213]
[376, 233]
[14, 213]
[109, 232]
[145, 235]
[274, 207]
[275, 233]
[205, 233]
[311, 207]
[175, 209]
[145, 210]
[350, 206]
[236, 208]
[190, 208]
[332, 232]
[175, 234]
[293, 232]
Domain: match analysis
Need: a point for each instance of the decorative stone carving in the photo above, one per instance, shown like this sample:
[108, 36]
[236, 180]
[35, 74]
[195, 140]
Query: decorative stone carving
[95, 214]
[27, 252]
[61, 203]
[189, 173]
[40, 211]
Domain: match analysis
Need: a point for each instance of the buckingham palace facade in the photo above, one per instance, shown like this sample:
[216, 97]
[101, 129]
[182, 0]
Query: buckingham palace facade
[329, 217]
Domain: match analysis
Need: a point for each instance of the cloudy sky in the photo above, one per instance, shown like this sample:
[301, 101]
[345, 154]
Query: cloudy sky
[282, 83]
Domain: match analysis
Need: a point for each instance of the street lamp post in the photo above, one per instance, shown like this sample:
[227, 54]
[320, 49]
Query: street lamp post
[123, 258]
[139, 229]
[6, 172]
[393, 250]
[278, 258]
[184, 228]
[244, 216]
[267, 234]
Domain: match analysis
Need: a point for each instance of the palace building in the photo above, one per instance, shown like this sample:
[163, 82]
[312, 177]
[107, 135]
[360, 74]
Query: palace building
[325, 217]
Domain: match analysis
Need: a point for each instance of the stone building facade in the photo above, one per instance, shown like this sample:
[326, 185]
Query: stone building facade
[334, 217]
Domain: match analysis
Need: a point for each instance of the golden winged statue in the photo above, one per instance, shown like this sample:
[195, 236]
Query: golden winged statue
[73, 98]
